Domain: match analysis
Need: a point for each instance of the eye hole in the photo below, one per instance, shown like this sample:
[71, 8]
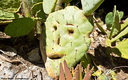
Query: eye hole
[70, 32]
[70, 24]
[55, 27]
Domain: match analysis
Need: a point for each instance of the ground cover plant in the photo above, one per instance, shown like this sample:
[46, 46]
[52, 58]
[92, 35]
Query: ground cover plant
[64, 32]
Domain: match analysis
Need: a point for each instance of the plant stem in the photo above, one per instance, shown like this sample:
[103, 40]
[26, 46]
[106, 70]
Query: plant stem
[26, 8]
[59, 5]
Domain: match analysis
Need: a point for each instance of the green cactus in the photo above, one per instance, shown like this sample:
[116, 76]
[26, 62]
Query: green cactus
[6, 15]
[89, 6]
[67, 38]
[11, 6]
[49, 6]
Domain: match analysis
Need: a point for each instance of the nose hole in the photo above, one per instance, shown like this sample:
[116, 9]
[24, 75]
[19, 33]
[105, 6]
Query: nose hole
[58, 41]
[70, 32]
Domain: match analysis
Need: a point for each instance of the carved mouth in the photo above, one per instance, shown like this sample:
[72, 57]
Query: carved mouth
[56, 56]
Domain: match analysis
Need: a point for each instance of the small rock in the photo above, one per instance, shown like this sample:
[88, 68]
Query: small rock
[34, 55]
[5, 70]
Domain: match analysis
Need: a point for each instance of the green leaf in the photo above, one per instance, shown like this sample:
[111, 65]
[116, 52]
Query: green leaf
[124, 24]
[67, 1]
[10, 5]
[111, 17]
[113, 31]
[103, 77]
[20, 27]
[100, 27]
[122, 47]
[112, 20]
[109, 20]
[121, 34]
[85, 60]
[121, 14]
[115, 25]
[117, 20]
[32, 2]
[108, 42]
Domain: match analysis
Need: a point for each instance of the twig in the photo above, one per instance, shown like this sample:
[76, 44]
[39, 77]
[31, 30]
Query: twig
[120, 67]
[8, 60]
[11, 61]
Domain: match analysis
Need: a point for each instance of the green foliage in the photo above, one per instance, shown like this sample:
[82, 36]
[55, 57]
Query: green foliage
[6, 15]
[125, 24]
[113, 18]
[116, 32]
[33, 2]
[85, 60]
[99, 26]
[66, 1]
[122, 49]
[89, 6]
[116, 29]
[103, 77]
[38, 12]
[20, 27]
[10, 5]
[27, 5]
[7, 10]
[121, 34]
[67, 37]
[102, 74]
[112, 21]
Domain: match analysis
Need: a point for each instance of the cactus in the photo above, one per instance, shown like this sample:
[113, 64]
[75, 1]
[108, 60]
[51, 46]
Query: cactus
[67, 38]
[49, 6]
[6, 15]
[89, 6]
[10, 6]
[53, 5]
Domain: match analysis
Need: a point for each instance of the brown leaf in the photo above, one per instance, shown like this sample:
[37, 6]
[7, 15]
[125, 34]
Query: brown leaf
[77, 75]
[67, 71]
[61, 77]
[88, 74]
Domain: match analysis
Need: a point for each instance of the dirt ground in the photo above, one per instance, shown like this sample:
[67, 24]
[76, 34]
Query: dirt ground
[20, 65]
[16, 62]
[99, 57]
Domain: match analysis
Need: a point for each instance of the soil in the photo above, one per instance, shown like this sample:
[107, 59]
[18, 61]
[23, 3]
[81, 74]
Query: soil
[36, 70]
[97, 51]
[19, 64]
[98, 54]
